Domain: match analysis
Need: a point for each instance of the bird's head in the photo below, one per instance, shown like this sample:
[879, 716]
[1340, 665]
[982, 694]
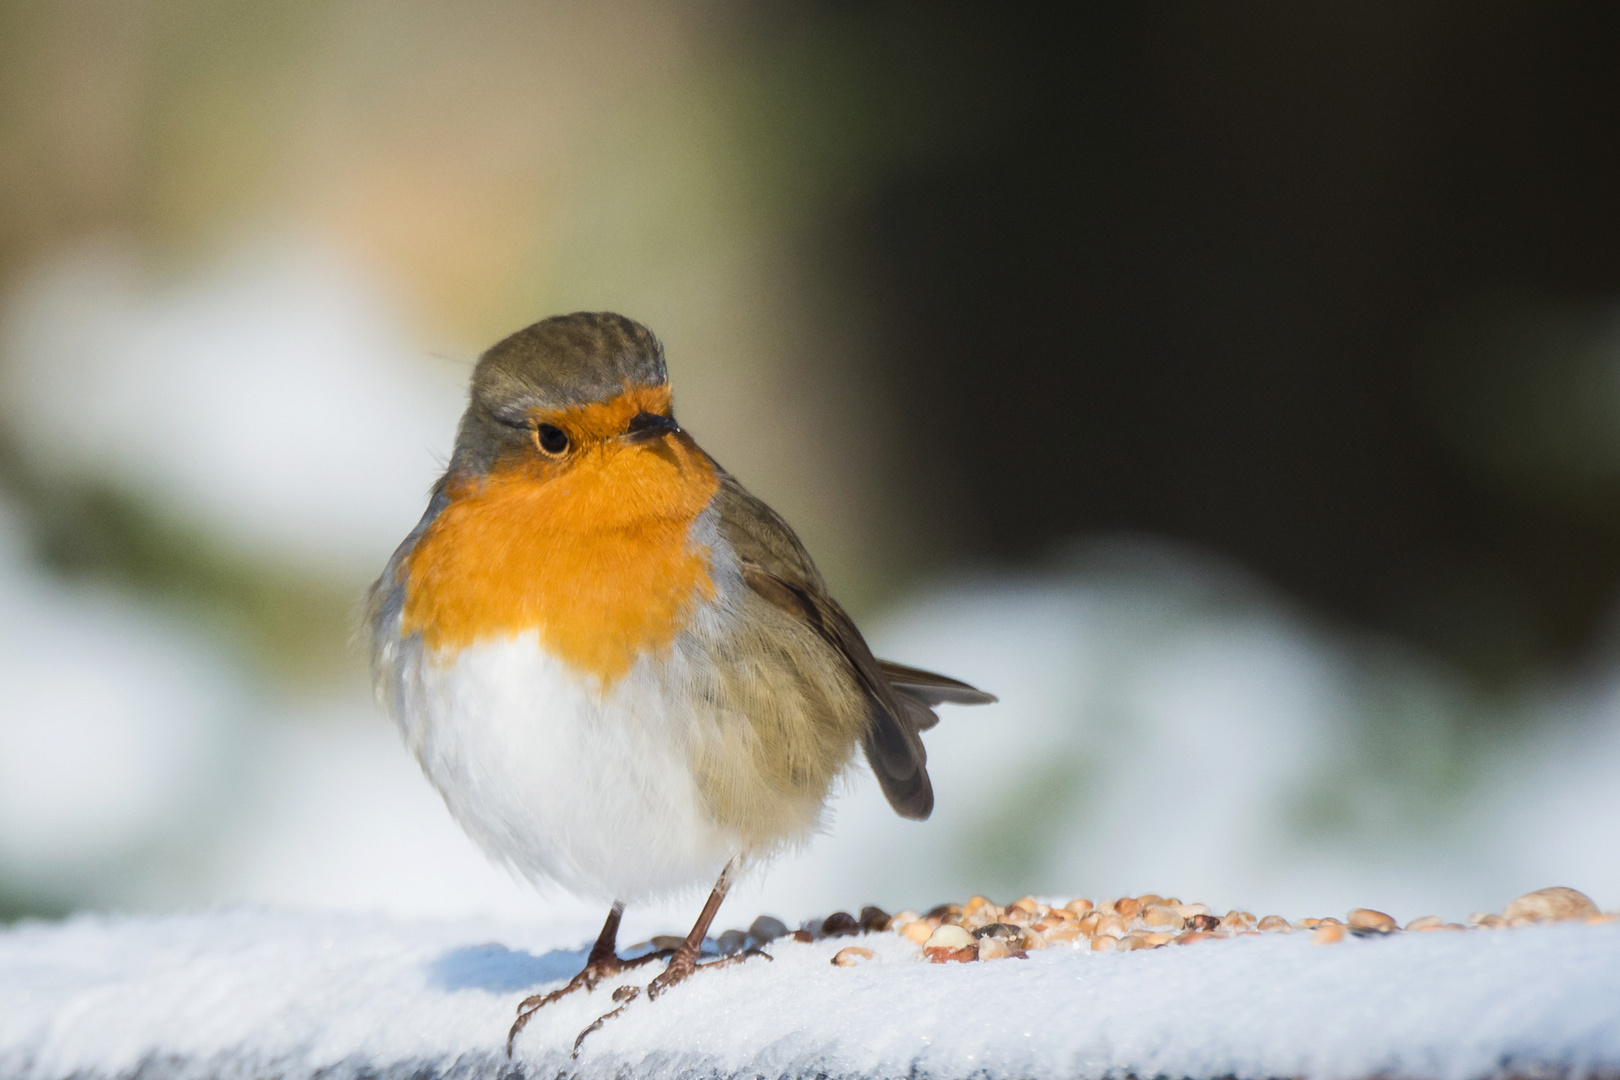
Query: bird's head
[581, 397]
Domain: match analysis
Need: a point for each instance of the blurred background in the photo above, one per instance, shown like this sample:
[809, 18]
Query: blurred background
[1234, 390]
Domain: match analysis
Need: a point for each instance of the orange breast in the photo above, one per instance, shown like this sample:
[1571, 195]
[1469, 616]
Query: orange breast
[598, 559]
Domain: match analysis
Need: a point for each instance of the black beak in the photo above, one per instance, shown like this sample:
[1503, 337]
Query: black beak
[646, 425]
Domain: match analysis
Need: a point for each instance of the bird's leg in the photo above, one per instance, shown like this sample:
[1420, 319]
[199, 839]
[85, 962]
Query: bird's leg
[603, 962]
[684, 960]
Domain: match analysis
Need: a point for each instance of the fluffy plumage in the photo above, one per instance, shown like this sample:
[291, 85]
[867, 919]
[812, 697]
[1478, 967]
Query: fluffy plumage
[621, 669]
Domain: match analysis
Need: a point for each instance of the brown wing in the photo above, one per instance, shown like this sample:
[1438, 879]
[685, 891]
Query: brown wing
[778, 569]
[931, 688]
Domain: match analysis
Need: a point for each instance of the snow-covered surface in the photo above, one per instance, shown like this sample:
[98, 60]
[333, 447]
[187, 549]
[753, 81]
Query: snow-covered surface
[259, 993]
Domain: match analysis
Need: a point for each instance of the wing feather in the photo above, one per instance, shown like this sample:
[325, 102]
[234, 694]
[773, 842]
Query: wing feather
[932, 688]
[777, 568]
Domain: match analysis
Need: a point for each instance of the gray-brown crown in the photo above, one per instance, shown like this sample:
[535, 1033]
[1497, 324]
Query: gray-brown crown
[557, 363]
[568, 360]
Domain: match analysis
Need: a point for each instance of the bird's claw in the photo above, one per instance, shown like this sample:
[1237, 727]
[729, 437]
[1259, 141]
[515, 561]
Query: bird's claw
[624, 995]
[681, 967]
[589, 979]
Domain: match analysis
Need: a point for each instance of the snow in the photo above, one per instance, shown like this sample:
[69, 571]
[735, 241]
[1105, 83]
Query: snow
[1166, 724]
[110, 726]
[260, 992]
[269, 399]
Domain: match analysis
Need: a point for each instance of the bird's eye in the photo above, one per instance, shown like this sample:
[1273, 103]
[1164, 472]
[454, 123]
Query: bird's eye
[551, 440]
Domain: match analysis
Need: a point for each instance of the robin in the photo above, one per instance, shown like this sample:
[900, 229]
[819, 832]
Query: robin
[621, 670]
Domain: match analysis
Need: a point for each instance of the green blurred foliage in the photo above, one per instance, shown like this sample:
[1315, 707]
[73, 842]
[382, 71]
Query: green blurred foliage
[291, 626]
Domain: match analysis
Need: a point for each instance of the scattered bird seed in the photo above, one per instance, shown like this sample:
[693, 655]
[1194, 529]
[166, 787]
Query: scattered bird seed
[1368, 919]
[840, 923]
[965, 955]
[981, 929]
[1551, 905]
[1328, 934]
[851, 955]
[993, 948]
[1164, 918]
[918, 931]
[873, 919]
[948, 936]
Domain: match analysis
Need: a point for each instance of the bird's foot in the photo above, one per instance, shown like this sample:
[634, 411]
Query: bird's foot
[624, 995]
[681, 967]
[595, 970]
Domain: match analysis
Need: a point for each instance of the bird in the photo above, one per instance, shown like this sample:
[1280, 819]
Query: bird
[620, 669]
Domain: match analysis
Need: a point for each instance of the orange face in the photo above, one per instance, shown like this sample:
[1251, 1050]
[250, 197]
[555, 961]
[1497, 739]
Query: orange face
[589, 545]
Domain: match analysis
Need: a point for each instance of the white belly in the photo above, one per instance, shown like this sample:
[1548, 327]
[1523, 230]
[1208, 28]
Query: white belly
[559, 780]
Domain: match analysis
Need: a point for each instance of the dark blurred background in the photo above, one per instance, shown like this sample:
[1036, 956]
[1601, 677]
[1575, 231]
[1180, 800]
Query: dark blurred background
[1322, 287]
[1325, 297]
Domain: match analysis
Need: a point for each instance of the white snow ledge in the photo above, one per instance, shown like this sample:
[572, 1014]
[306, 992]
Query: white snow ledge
[265, 994]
